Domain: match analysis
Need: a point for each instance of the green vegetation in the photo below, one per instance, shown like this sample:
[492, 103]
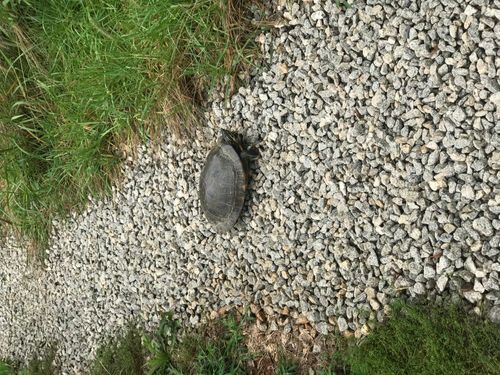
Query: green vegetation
[81, 81]
[217, 348]
[415, 340]
[44, 365]
[286, 365]
[124, 356]
[425, 340]
[41, 366]
[5, 369]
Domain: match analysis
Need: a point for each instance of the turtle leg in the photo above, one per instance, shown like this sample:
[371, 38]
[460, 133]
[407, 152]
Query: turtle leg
[250, 154]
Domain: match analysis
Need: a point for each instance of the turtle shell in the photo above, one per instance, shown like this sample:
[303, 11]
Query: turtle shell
[222, 187]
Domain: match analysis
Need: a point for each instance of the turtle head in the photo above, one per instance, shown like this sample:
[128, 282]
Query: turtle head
[230, 137]
[240, 145]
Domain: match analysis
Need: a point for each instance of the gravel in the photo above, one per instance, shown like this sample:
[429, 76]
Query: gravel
[378, 178]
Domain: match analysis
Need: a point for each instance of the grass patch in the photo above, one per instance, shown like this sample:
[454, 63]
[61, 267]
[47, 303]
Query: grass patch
[216, 348]
[424, 340]
[39, 365]
[81, 79]
[286, 365]
[5, 369]
[122, 356]
[43, 365]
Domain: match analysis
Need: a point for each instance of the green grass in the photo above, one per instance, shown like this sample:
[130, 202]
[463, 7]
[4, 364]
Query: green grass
[122, 356]
[286, 365]
[81, 80]
[42, 365]
[217, 348]
[425, 340]
[5, 369]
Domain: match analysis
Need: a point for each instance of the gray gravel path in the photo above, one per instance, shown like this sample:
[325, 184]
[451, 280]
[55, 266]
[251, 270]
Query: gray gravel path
[378, 178]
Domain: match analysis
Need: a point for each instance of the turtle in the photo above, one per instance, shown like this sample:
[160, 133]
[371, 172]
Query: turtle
[224, 180]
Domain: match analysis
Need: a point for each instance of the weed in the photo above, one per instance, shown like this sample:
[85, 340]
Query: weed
[41, 364]
[286, 365]
[216, 348]
[343, 4]
[122, 356]
[6, 369]
[161, 344]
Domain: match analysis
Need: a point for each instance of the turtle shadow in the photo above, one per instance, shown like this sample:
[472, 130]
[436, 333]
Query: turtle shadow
[251, 157]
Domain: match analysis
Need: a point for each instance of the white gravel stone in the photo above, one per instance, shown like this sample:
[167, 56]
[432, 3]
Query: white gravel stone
[459, 115]
[468, 192]
[469, 10]
[342, 324]
[441, 283]
[322, 328]
[469, 265]
[478, 287]
[442, 265]
[472, 296]
[494, 314]
[483, 226]
[429, 272]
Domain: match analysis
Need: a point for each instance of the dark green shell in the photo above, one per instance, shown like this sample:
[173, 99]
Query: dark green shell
[222, 187]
